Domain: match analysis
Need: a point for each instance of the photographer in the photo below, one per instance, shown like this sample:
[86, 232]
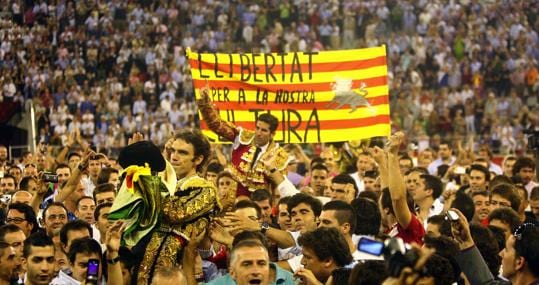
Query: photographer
[469, 259]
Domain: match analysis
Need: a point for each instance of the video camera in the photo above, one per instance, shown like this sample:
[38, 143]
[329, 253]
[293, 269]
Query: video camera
[397, 254]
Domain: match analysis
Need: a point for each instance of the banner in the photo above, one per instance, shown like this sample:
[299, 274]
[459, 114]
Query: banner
[325, 96]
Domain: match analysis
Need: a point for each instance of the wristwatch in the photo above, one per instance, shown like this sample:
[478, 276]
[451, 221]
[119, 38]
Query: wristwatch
[114, 260]
[264, 227]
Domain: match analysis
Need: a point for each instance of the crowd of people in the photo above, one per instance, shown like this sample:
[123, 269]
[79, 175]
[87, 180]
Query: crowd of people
[113, 68]
[115, 102]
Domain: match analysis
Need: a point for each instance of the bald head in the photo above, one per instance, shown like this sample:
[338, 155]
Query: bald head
[22, 197]
[169, 276]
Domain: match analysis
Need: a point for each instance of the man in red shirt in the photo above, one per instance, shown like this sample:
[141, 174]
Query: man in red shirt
[396, 206]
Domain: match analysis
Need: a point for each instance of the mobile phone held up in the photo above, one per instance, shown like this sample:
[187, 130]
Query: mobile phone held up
[92, 273]
[452, 216]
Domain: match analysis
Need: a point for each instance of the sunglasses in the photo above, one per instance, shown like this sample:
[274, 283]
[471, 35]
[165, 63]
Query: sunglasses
[522, 229]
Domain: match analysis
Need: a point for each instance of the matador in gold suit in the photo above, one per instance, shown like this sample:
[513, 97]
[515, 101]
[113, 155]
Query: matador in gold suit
[247, 157]
[160, 212]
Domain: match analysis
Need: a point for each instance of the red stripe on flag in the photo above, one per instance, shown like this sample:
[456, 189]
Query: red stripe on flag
[324, 124]
[224, 68]
[374, 101]
[271, 87]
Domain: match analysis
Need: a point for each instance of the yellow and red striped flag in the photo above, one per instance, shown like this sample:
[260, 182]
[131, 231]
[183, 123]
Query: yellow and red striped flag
[325, 96]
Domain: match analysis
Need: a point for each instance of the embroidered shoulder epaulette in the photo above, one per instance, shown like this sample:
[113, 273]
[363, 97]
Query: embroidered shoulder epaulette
[246, 136]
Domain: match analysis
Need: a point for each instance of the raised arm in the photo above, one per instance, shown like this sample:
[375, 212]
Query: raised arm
[381, 159]
[397, 188]
[212, 118]
[113, 236]
[236, 223]
[73, 181]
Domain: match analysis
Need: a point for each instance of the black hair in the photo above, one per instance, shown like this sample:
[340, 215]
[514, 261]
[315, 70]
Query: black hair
[102, 188]
[73, 154]
[527, 246]
[507, 216]
[447, 248]
[84, 245]
[75, 225]
[385, 200]
[327, 243]
[214, 167]
[104, 174]
[507, 191]
[315, 204]
[373, 195]
[421, 170]
[53, 204]
[38, 239]
[126, 257]
[341, 275]
[499, 235]
[62, 165]
[523, 162]
[260, 195]
[250, 235]
[405, 156]
[440, 269]
[29, 214]
[500, 179]
[442, 169]
[7, 229]
[84, 198]
[243, 204]
[344, 213]
[481, 168]
[98, 209]
[345, 179]
[319, 166]
[464, 204]
[483, 239]
[269, 119]
[317, 160]
[200, 145]
[371, 174]
[368, 273]
[25, 182]
[284, 200]
[443, 224]
[224, 174]
[434, 183]
[6, 175]
[368, 217]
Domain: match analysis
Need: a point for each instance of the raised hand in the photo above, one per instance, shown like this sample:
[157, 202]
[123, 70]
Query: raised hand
[83, 164]
[307, 277]
[219, 234]
[137, 137]
[205, 93]
[236, 223]
[395, 142]
[114, 235]
[379, 155]
[461, 231]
